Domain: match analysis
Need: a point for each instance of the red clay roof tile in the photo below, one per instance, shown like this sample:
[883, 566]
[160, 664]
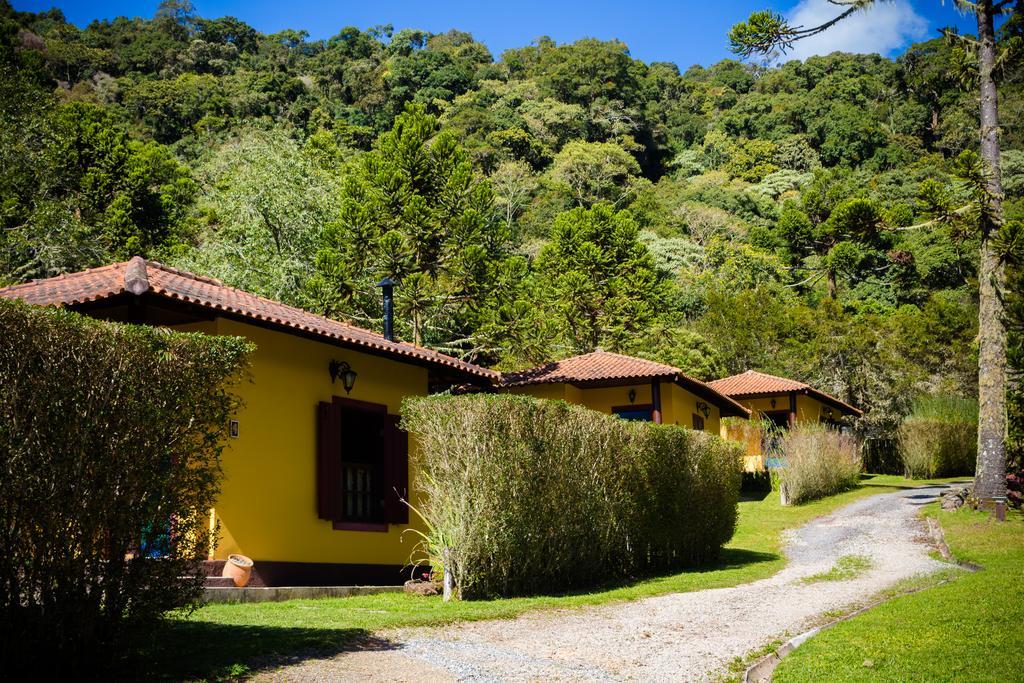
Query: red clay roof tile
[590, 367]
[101, 283]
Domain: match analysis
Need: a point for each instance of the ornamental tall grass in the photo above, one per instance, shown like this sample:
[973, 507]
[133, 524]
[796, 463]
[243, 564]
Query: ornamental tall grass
[939, 437]
[818, 461]
[534, 496]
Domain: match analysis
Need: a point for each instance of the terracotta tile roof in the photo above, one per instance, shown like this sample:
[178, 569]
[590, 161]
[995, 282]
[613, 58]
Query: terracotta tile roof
[596, 366]
[751, 383]
[603, 367]
[139, 276]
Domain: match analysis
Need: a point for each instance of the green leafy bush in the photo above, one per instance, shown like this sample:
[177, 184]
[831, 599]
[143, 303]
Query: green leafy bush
[819, 461]
[939, 437]
[109, 460]
[534, 496]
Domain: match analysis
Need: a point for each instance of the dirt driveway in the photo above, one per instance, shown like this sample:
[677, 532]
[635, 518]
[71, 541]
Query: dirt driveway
[681, 636]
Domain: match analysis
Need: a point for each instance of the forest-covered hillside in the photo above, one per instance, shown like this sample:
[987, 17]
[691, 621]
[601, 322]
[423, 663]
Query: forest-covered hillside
[534, 204]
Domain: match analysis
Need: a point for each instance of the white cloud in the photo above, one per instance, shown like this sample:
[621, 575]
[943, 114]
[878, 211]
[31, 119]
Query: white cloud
[886, 26]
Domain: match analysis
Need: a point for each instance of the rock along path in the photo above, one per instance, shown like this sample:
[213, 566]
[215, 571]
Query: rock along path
[680, 636]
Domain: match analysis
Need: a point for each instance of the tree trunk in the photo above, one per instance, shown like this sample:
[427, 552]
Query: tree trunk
[417, 331]
[990, 479]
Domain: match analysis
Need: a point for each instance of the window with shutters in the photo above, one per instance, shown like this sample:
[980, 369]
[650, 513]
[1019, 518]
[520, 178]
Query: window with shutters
[362, 466]
[698, 422]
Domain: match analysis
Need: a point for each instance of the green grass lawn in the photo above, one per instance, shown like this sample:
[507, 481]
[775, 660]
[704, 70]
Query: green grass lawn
[220, 639]
[845, 568]
[971, 629]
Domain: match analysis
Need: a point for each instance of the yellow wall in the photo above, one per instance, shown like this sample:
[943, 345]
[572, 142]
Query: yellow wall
[747, 433]
[677, 404]
[809, 408]
[551, 392]
[603, 399]
[684, 406]
[267, 507]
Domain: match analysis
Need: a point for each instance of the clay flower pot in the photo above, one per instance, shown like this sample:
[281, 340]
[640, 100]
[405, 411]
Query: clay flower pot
[238, 568]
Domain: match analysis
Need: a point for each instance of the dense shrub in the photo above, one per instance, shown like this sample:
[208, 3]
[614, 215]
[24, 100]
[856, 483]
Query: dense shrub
[940, 437]
[819, 461]
[110, 442]
[538, 496]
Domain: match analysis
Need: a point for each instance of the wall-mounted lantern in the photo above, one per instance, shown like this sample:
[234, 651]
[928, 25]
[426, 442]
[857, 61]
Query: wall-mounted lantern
[773, 404]
[340, 368]
[632, 395]
[703, 408]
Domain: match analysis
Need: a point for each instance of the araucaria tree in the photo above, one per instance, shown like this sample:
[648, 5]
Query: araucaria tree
[413, 210]
[597, 279]
[765, 33]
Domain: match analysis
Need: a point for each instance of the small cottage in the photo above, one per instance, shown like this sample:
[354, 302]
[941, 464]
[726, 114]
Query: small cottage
[316, 464]
[781, 401]
[632, 388]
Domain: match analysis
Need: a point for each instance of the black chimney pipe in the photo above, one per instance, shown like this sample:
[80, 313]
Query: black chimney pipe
[387, 286]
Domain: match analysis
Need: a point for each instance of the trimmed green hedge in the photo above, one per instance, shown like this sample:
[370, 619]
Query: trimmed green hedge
[110, 443]
[535, 496]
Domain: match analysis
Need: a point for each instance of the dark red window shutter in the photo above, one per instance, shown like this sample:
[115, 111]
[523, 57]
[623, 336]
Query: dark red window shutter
[328, 462]
[396, 471]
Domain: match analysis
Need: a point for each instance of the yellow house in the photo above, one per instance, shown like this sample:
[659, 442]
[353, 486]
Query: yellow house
[781, 401]
[315, 462]
[632, 388]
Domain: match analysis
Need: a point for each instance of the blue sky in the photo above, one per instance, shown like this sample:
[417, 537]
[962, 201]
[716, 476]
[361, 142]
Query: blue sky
[685, 32]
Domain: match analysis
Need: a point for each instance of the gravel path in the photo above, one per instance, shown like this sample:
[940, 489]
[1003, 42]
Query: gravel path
[681, 636]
